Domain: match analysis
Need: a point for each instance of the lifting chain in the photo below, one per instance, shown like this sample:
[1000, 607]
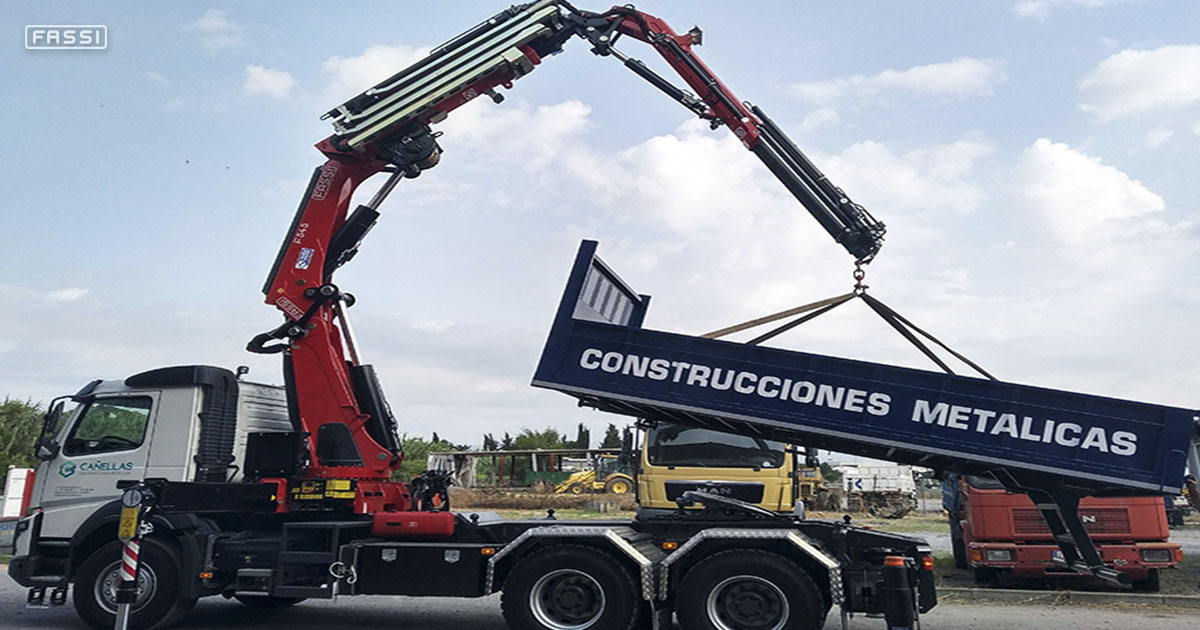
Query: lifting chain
[859, 275]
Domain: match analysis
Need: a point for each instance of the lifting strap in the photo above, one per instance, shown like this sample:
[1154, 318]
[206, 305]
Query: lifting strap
[811, 311]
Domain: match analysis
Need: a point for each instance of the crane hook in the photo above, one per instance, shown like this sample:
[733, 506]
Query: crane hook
[859, 275]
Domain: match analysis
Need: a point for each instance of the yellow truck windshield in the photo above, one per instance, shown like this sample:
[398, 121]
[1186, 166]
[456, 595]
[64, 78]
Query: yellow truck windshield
[673, 445]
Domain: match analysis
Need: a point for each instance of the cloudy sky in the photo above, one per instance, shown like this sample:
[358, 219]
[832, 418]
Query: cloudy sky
[1034, 160]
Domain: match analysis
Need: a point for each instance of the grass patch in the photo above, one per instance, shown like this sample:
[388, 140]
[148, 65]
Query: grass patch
[565, 515]
[935, 523]
[496, 499]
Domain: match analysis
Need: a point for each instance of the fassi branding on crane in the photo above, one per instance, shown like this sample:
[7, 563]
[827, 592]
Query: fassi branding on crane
[959, 417]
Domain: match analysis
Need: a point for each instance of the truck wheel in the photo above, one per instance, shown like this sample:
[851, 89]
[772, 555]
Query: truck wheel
[959, 549]
[1149, 584]
[986, 576]
[158, 602]
[748, 589]
[570, 587]
[268, 603]
[618, 485]
[575, 488]
[957, 546]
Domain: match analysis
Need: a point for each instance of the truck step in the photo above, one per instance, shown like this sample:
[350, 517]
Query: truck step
[37, 597]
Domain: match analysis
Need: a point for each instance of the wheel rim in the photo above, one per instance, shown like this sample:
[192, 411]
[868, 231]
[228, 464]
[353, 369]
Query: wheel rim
[747, 602]
[567, 599]
[620, 487]
[105, 589]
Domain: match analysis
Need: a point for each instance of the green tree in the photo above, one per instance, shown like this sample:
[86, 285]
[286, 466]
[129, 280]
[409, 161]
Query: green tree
[489, 442]
[583, 437]
[612, 437]
[416, 455]
[20, 424]
[528, 439]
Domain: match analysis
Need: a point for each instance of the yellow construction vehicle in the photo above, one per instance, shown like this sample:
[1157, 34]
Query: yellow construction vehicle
[609, 475]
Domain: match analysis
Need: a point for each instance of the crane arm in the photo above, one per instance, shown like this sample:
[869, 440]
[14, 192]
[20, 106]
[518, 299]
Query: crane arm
[847, 222]
[333, 396]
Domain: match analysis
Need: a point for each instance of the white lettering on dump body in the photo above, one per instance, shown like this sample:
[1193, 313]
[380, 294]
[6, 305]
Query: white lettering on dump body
[855, 401]
[786, 391]
[1028, 428]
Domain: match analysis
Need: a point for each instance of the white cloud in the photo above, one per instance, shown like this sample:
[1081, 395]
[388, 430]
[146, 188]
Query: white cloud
[217, 31]
[821, 117]
[1039, 9]
[961, 78]
[1087, 203]
[940, 177]
[352, 75]
[1134, 82]
[267, 81]
[157, 78]
[1156, 137]
[1196, 128]
[66, 295]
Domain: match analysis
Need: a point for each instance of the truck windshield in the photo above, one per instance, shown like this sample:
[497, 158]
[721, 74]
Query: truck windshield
[673, 445]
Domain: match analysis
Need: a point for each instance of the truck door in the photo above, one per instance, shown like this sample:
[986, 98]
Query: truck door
[107, 440]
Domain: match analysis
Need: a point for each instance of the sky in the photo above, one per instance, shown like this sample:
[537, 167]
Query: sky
[1034, 161]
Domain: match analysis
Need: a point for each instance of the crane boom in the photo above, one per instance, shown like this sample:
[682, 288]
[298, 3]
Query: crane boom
[334, 396]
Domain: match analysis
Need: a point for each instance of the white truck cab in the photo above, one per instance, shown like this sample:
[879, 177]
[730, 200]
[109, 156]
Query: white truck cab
[184, 423]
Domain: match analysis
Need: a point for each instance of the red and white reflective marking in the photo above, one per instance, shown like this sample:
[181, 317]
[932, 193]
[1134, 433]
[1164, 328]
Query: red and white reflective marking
[129, 560]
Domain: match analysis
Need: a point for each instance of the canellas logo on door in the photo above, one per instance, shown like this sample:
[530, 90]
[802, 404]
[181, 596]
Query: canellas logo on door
[69, 468]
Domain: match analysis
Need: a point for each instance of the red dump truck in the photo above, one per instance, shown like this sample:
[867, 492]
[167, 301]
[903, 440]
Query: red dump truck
[998, 533]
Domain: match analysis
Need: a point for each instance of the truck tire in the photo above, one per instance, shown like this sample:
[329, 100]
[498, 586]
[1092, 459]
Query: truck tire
[268, 603]
[958, 547]
[576, 488]
[986, 576]
[1149, 584]
[158, 604]
[570, 587]
[748, 589]
[618, 485]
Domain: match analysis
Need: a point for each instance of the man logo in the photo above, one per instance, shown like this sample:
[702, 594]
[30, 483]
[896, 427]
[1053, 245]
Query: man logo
[67, 469]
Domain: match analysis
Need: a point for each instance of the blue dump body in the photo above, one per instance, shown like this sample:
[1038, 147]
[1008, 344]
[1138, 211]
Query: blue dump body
[598, 352]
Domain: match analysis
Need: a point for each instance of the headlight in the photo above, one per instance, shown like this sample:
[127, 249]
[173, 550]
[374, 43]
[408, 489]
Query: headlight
[999, 555]
[1156, 555]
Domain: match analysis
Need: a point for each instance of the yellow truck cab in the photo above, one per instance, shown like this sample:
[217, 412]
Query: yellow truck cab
[676, 458]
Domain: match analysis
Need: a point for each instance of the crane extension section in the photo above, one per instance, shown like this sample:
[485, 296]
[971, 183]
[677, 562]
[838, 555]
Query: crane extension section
[1056, 446]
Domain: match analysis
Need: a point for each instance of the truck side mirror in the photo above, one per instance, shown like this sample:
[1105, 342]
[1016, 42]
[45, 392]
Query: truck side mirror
[46, 451]
[810, 458]
[45, 448]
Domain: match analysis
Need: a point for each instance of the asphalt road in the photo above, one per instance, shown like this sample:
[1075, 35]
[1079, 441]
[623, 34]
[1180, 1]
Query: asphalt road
[405, 613]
